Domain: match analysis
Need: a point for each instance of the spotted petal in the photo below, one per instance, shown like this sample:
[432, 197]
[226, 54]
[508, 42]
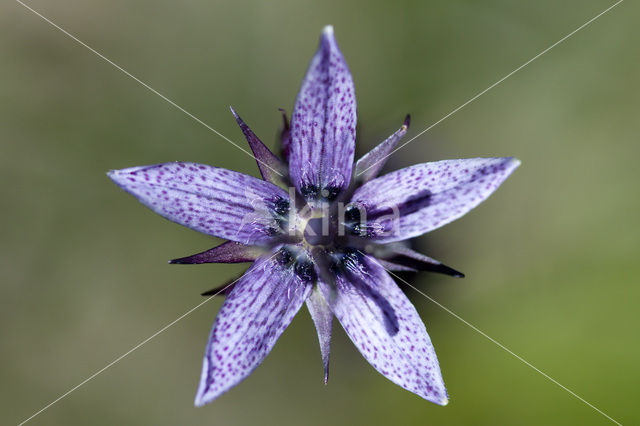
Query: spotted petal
[254, 315]
[385, 327]
[412, 201]
[323, 124]
[210, 200]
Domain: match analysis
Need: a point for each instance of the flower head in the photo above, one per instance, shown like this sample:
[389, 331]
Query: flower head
[327, 242]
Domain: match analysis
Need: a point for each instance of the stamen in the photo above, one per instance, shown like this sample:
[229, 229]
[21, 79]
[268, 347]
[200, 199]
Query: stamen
[314, 192]
[305, 270]
[281, 206]
[284, 256]
[345, 259]
[280, 212]
[310, 192]
[352, 214]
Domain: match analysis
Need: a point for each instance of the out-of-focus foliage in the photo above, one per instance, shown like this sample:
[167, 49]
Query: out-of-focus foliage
[551, 259]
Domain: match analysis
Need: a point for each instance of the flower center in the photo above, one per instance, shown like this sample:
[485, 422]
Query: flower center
[319, 232]
[323, 230]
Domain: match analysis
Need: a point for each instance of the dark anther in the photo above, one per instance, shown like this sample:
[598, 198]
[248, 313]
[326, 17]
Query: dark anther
[313, 192]
[271, 231]
[284, 256]
[344, 259]
[350, 257]
[355, 229]
[281, 212]
[353, 220]
[352, 214]
[304, 269]
[310, 192]
[281, 206]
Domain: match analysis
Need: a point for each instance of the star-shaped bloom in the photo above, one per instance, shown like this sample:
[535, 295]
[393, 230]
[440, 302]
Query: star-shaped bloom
[327, 242]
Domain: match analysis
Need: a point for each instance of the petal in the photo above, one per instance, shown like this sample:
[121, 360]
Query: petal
[412, 201]
[386, 329]
[323, 320]
[229, 252]
[323, 125]
[252, 318]
[271, 168]
[213, 201]
[372, 162]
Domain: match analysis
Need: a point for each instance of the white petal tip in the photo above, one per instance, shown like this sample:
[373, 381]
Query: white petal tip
[115, 175]
[444, 401]
[200, 401]
[328, 30]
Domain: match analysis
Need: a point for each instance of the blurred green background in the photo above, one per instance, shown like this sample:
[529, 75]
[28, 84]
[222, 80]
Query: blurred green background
[551, 259]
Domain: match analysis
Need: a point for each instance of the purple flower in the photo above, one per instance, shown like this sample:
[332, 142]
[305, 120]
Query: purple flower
[328, 241]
